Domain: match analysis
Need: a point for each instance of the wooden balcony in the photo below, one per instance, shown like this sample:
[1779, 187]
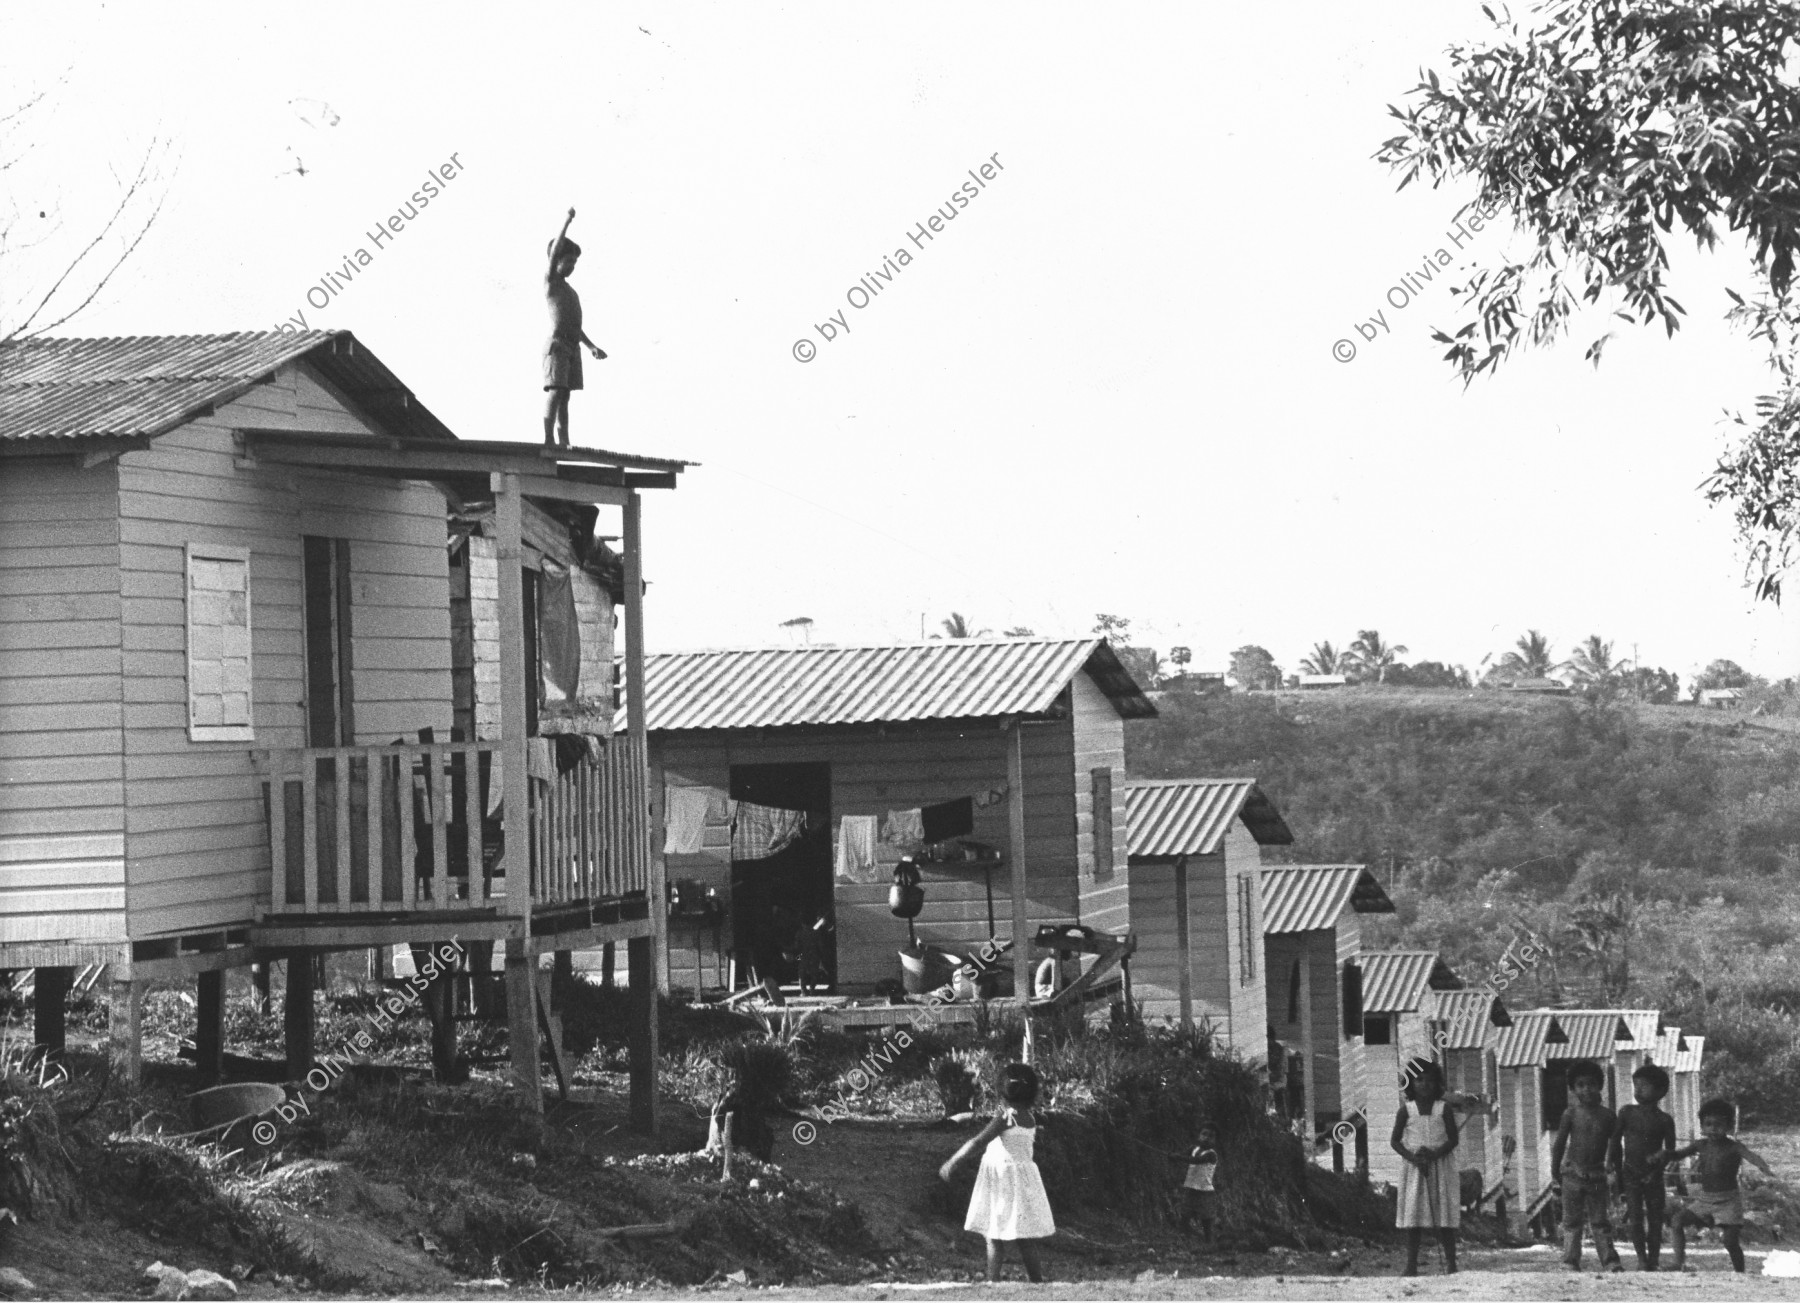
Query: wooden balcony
[420, 829]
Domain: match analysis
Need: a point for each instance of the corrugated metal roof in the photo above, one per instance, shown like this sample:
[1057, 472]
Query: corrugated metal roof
[1395, 981]
[1593, 1034]
[1466, 1018]
[1669, 1046]
[1305, 897]
[1645, 1024]
[1190, 816]
[1688, 1060]
[1527, 1042]
[142, 386]
[958, 678]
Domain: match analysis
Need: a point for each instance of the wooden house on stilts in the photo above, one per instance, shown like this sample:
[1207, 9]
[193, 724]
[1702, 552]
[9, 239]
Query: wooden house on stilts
[243, 710]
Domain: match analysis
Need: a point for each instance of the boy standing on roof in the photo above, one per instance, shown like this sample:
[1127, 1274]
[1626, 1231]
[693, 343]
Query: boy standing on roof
[562, 355]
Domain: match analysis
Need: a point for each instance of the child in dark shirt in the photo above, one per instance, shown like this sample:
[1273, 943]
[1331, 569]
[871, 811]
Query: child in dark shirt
[1578, 1158]
[1719, 1203]
[1641, 1144]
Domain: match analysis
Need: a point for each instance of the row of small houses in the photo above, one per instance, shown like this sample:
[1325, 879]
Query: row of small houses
[288, 668]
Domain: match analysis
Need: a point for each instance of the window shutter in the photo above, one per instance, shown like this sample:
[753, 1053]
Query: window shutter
[1101, 779]
[1353, 1014]
[218, 644]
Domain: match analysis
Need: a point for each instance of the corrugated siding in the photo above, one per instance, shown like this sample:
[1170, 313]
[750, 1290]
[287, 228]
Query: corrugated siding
[1468, 1020]
[1527, 1041]
[872, 774]
[953, 679]
[196, 839]
[62, 815]
[1184, 817]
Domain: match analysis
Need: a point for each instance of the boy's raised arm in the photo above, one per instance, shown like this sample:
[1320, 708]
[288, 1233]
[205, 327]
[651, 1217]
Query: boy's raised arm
[557, 242]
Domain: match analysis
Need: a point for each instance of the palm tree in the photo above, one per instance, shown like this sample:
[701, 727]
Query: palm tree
[959, 627]
[1371, 655]
[1325, 659]
[1593, 663]
[1532, 659]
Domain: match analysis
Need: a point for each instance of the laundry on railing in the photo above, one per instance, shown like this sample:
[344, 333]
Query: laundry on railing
[759, 831]
[855, 858]
[685, 817]
[904, 828]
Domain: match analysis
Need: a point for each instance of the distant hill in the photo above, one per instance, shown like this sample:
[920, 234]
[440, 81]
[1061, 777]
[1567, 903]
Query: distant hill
[1654, 851]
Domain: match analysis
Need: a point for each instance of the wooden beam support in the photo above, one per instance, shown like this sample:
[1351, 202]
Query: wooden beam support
[522, 1024]
[125, 1030]
[297, 1014]
[209, 1026]
[515, 682]
[640, 735]
[1183, 948]
[49, 1004]
[1015, 858]
[645, 1112]
[1308, 1049]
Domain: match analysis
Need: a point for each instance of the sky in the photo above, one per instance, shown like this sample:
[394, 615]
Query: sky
[1108, 385]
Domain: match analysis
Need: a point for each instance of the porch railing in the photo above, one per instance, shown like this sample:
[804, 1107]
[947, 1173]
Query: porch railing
[421, 827]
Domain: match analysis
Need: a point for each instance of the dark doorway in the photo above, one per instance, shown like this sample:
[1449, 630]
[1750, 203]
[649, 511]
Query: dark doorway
[775, 897]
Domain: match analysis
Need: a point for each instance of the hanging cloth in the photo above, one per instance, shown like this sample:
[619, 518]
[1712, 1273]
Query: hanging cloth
[951, 819]
[856, 848]
[903, 828]
[759, 831]
[685, 818]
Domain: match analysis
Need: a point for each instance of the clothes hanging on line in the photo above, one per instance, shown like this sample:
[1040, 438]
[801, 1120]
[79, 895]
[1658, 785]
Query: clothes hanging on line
[904, 828]
[685, 817]
[950, 819]
[540, 759]
[759, 831]
[856, 848]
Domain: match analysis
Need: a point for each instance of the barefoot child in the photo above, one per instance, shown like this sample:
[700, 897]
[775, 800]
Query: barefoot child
[1719, 1203]
[1424, 1135]
[1009, 1202]
[1578, 1158]
[562, 355]
[1641, 1144]
[1199, 1202]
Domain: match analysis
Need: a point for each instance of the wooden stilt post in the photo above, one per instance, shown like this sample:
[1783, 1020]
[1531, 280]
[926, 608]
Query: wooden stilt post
[125, 1029]
[607, 955]
[522, 1024]
[209, 1028]
[259, 981]
[49, 1001]
[298, 1013]
[645, 1115]
[550, 1023]
[640, 741]
[440, 1012]
[1015, 854]
[1183, 947]
[1308, 1050]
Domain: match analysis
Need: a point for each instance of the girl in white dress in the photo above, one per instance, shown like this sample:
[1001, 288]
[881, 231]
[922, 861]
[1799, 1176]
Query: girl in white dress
[1009, 1202]
[1424, 1135]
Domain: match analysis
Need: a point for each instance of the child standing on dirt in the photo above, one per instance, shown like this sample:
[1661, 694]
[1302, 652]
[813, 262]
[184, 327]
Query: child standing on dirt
[1719, 1203]
[1578, 1160]
[1641, 1144]
[1199, 1201]
[1009, 1202]
[1424, 1135]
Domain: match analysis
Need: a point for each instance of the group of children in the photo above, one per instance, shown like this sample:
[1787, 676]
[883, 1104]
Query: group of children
[1596, 1154]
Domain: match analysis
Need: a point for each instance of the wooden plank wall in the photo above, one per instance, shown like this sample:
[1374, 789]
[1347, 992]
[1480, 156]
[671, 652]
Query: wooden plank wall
[1098, 738]
[1248, 1027]
[196, 843]
[871, 774]
[1349, 1077]
[1333, 1068]
[62, 800]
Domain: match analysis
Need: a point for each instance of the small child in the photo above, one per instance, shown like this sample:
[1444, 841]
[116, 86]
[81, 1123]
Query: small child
[562, 355]
[1641, 1144]
[1009, 1202]
[1719, 1203]
[1424, 1135]
[1578, 1158]
[1199, 1200]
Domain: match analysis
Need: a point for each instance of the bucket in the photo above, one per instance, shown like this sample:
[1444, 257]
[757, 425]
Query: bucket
[925, 969]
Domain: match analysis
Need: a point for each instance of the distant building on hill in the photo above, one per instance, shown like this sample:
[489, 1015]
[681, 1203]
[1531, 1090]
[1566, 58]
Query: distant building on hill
[1322, 681]
[1722, 698]
[1543, 687]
